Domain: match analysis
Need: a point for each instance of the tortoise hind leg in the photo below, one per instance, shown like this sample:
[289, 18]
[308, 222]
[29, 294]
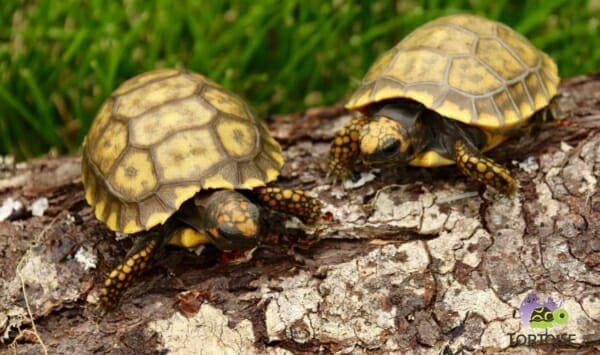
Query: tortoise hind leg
[136, 261]
[476, 166]
[291, 201]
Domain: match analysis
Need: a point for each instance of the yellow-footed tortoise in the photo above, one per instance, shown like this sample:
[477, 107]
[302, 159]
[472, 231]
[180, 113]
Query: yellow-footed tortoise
[452, 89]
[175, 154]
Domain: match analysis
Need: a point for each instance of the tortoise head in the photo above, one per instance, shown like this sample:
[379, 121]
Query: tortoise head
[232, 221]
[393, 136]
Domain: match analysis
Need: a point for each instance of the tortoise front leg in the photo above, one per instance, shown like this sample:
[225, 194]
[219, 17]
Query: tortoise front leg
[291, 201]
[345, 149]
[483, 169]
[136, 261]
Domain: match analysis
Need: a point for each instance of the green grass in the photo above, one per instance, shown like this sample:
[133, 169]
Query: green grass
[60, 59]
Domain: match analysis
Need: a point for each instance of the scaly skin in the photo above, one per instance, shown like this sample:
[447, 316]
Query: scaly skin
[294, 202]
[228, 220]
[478, 167]
[345, 149]
[121, 276]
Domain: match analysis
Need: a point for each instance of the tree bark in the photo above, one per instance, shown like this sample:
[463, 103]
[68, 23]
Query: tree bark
[405, 259]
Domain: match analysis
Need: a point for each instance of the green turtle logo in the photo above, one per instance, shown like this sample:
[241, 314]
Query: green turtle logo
[536, 315]
[544, 318]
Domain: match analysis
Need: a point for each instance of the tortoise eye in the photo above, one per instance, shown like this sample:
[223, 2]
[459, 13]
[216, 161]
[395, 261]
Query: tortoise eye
[390, 148]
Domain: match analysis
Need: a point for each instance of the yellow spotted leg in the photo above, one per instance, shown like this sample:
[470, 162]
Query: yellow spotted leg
[345, 149]
[476, 166]
[294, 202]
[120, 278]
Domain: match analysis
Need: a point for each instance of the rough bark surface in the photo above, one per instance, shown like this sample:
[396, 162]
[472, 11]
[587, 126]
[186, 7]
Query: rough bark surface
[405, 259]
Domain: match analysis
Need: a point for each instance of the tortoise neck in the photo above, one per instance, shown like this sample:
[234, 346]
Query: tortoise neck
[441, 134]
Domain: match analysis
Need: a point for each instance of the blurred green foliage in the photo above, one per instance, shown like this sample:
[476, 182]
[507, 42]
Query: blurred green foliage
[60, 59]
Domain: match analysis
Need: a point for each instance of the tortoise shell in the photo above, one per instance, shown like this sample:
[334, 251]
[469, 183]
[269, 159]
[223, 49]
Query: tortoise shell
[162, 137]
[466, 68]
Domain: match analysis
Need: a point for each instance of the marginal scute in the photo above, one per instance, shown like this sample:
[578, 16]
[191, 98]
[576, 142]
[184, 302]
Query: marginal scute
[100, 122]
[534, 86]
[87, 177]
[176, 195]
[153, 212]
[384, 89]
[361, 97]
[129, 218]
[427, 94]
[251, 175]
[100, 202]
[264, 163]
[219, 181]
[269, 146]
[272, 174]
[549, 83]
[511, 116]
[487, 116]
[154, 126]
[458, 107]
[550, 70]
[252, 183]
[109, 146]
[519, 92]
[112, 215]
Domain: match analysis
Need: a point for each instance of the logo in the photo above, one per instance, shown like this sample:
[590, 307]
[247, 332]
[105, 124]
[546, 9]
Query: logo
[544, 316]
[536, 315]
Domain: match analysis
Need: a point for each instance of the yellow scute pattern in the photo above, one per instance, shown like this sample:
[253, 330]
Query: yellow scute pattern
[134, 177]
[449, 40]
[475, 24]
[176, 195]
[491, 52]
[456, 65]
[154, 94]
[161, 138]
[109, 146]
[238, 138]
[151, 127]
[419, 66]
[524, 50]
[471, 77]
[144, 78]
[187, 155]
[100, 121]
[380, 64]
[225, 102]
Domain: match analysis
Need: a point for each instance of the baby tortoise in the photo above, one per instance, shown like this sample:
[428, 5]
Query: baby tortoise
[454, 88]
[177, 159]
